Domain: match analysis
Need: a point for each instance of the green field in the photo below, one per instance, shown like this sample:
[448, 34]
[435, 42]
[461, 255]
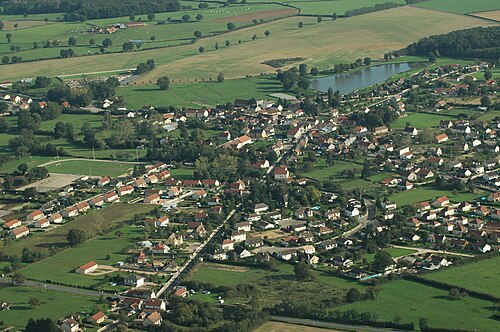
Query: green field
[341, 41]
[428, 193]
[181, 173]
[102, 220]
[482, 276]
[329, 7]
[394, 252]
[420, 120]
[323, 172]
[411, 301]
[461, 6]
[92, 168]
[53, 305]
[60, 267]
[200, 94]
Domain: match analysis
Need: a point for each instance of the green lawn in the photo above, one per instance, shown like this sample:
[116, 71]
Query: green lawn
[482, 276]
[53, 305]
[181, 173]
[93, 168]
[95, 219]
[411, 301]
[428, 193]
[321, 172]
[200, 94]
[460, 6]
[77, 120]
[61, 266]
[420, 120]
[394, 252]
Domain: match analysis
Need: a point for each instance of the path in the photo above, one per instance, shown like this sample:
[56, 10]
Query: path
[89, 159]
[58, 288]
[422, 251]
[98, 72]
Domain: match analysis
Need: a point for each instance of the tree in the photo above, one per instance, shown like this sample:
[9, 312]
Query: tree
[72, 41]
[201, 49]
[254, 37]
[301, 25]
[107, 43]
[216, 46]
[199, 17]
[267, 33]
[366, 169]
[227, 43]
[131, 17]
[353, 295]
[314, 71]
[16, 25]
[382, 260]
[30, 194]
[128, 46]
[186, 18]
[367, 61]
[303, 272]
[220, 77]
[319, 19]
[334, 16]
[432, 57]
[42, 82]
[4, 124]
[41, 325]
[34, 302]
[485, 101]
[151, 16]
[5, 59]
[76, 236]
[118, 234]
[92, 42]
[231, 26]
[303, 83]
[1, 25]
[163, 83]
[197, 34]
[488, 75]
[423, 323]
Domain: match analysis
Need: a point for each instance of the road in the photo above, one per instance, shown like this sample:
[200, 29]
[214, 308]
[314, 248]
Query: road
[363, 221]
[422, 251]
[195, 254]
[58, 288]
[89, 159]
[329, 325]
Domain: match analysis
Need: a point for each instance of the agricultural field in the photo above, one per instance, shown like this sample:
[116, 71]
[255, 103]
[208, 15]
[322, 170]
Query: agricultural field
[53, 305]
[91, 168]
[92, 250]
[285, 327]
[460, 6]
[352, 38]
[411, 301]
[329, 7]
[420, 120]
[491, 15]
[481, 276]
[428, 193]
[96, 219]
[201, 94]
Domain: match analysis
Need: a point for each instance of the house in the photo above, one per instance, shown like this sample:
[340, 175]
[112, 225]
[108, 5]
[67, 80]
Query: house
[309, 249]
[199, 194]
[381, 130]
[10, 225]
[238, 236]
[302, 213]
[494, 197]
[200, 216]
[154, 319]
[87, 268]
[227, 245]
[111, 197]
[126, 190]
[242, 252]
[175, 240]
[42, 223]
[441, 138]
[441, 202]
[260, 207]
[69, 325]
[140, 183]
[141, 294]
[103, 181]
[254, 242]
[70, 212]
[181, 292]
[56, 218]
[97, 202]
[35, 215]
[19, 232]
[97, 318]
[174, 192]
[281, 173]
[328, 244]
[82, 206]
[341, 262]
[244, 226]
[287, 255]
[351, 211]
[155, 305]
[413, 223]
[134, 280]
[160, 248]
[152, 199]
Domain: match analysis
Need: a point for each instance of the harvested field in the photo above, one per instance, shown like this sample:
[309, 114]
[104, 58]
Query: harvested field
[491, 15]
[266, 14]
[53, 182]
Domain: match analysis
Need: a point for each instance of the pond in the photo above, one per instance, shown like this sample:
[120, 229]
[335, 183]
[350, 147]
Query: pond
[354, 80]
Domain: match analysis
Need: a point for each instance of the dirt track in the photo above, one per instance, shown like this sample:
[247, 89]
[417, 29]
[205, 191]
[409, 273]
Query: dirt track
[266, 14]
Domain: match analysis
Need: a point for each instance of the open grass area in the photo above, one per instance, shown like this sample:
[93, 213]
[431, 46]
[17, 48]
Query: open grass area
[53, 305]
[101, 219]
[460, 6]
[77, 120]
[394, 252]
[322, 172]
[334, 41]
[181, 173]
[482, 276]
[91, 168]
[201, 94]
[329, 7]
[429, 193]
[420, 120]
[61, 267]
[411, 301]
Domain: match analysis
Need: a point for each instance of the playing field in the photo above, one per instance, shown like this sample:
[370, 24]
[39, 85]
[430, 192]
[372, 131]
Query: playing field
[201, 94]
[91, 168]
[427, 193]
[460, 6]
[420, 120]
[411, 301]
[321, 172]
[53, 305]
[482, 276]
[321, 43]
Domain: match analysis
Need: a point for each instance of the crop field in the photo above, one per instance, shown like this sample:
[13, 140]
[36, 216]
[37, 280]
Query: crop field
[482, 276]
[411, 301]
[285, 327]
[53, 305]
[101, 219]
[322, 44]
[491, 15]
[420, 120]
[91, 168]
[460, 6]
[329, 7]
[428, 193]
[93, 250]
[201, 94]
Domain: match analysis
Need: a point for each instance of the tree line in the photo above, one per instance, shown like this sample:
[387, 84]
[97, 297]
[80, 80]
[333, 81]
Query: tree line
[366, 10]
[483, 43]
[81, 10]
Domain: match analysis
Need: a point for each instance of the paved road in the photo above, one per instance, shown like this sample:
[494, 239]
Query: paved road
[59, 288]
[337, 326]
[421, 251]
[363, 220]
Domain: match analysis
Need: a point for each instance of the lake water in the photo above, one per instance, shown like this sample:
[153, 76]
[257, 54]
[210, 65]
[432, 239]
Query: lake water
[351, 81]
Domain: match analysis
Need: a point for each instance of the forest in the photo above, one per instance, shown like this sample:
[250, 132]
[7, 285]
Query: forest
[482, 43]
[81, 10]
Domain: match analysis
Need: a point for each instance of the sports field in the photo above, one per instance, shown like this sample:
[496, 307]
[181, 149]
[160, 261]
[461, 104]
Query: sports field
[460, 6]
[483, 276]
[91, 168]
[420, 120]
[340, 41]
[323, 172]
[411, 301]
[53, 305]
